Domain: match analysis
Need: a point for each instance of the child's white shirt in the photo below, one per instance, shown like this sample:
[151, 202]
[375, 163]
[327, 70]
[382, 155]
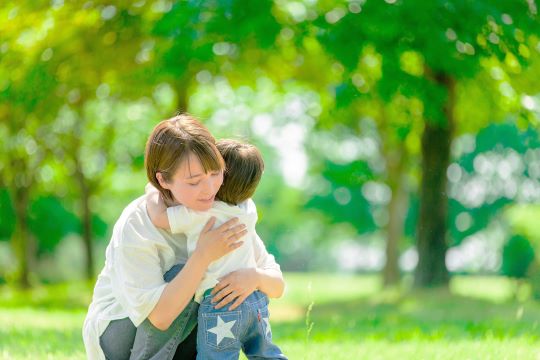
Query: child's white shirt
[191, 223]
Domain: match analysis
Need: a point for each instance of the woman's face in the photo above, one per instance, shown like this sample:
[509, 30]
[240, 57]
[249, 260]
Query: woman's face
[192, 187]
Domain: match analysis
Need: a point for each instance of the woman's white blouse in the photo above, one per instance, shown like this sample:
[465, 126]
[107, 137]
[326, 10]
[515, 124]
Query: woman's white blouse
[131, 281]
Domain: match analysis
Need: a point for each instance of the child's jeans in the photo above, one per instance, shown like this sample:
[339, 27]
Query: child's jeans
[222, 333]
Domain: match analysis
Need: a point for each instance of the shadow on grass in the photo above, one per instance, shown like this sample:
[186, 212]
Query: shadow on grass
[423, 315]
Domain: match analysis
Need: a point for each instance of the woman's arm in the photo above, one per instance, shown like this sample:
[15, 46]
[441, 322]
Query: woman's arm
[272, 278]
[178, 292]
[212, 245]
[238, 285]
[271, 282]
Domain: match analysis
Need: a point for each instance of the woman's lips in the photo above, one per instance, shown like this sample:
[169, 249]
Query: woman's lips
[209, 200]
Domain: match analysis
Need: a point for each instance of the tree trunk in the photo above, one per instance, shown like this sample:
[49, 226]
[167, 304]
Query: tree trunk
[86, 213]
[396, 219]
[21, 237]
[182, 102]
[432, 225]
[395, 154]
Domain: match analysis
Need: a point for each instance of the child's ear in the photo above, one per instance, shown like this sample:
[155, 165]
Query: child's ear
[162, 181]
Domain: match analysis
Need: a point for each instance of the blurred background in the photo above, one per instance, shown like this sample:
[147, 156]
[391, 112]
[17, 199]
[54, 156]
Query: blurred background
[401, 137]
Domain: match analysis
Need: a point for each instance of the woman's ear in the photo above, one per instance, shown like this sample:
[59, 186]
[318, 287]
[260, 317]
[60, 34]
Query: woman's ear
[162, 181]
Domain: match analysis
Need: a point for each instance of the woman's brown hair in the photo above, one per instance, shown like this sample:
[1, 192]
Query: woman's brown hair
[171, 142]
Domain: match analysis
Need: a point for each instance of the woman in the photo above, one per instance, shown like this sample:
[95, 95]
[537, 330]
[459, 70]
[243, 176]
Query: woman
[135, 312]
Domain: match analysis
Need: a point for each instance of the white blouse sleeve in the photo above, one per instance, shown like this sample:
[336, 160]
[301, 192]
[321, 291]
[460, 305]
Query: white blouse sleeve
[138, 283]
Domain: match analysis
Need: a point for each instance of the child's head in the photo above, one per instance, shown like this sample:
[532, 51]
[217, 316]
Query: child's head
[243, 170]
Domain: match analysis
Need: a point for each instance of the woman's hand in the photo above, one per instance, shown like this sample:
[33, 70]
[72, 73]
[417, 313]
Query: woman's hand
[214, 243]
[235, 286]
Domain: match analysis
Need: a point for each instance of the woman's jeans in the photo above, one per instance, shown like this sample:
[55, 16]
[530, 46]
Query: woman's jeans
[122, 340]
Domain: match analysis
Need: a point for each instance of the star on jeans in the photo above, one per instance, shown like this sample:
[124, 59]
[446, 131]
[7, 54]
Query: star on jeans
[223, 329]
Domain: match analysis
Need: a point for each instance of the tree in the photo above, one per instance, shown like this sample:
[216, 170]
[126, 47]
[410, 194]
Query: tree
[216, 36]
[450, 48]
[26, 111]
[69, 65]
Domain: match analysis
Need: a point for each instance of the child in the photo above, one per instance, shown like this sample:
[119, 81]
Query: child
[220, 331]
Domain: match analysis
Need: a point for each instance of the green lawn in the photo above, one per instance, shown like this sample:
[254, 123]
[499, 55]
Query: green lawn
[351, 318]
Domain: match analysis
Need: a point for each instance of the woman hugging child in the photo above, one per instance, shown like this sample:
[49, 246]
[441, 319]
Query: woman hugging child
[244, 325]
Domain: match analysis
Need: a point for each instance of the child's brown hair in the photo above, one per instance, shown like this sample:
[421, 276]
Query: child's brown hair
[244, 166]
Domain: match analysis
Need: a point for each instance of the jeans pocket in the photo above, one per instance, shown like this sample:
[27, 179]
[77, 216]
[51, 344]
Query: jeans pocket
[221, 329]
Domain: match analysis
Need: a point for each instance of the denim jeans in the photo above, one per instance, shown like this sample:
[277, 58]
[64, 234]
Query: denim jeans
[122, 340]
[222, 333]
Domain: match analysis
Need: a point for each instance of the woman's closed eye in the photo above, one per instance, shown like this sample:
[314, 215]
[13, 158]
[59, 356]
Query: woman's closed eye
[213, 174]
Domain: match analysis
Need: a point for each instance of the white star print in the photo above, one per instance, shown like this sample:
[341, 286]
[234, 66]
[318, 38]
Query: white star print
[267, 322]
[223, 329]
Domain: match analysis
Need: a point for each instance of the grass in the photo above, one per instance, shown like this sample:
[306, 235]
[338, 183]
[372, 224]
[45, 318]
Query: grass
[351, 318]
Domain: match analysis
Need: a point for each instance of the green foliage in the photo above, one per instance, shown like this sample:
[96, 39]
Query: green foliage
[207, 32]
[82, 84]
[60, 223]
[346, 93]
[517, 256]
[7, 215]
[49, 221]
[417, 48]
[99, 226]
[343, 200]
[292, 245]
[533, 274]
[523, 219]
[494, 145]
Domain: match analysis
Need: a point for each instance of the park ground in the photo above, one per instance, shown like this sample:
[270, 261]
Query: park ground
[322, 316]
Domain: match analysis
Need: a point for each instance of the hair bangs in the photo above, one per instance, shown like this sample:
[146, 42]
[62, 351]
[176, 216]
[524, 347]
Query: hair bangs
[209, 156]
